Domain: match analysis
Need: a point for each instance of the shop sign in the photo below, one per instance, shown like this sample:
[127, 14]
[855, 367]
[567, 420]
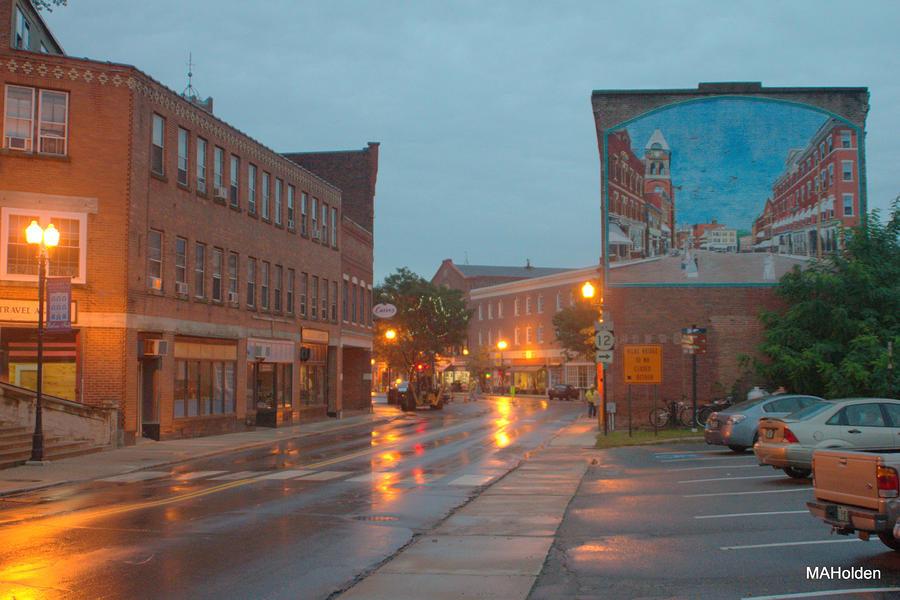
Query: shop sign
[26, 311]
[384, 311]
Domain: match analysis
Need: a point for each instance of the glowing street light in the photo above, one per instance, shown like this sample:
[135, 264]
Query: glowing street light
[44, 238]
[587, 290]
[390, 334]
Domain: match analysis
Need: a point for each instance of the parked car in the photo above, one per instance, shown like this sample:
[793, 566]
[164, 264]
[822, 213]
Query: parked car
[736, 426]
[563, 392]
[396, 392]
[788, 443]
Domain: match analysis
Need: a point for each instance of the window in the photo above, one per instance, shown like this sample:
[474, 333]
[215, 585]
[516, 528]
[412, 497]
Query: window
[499, 309]
[183, 156]
[324, 223]
[234, 173]
[265, 196]
[354, 297]
[848, 205]
[264, 287]
[19, 258]
[334, 293]
[290, 208]
[203, 387]
[251, 281]
[324, 313]
[23, 33]
[277, 288]
[314, 298]
[54, 118]
[200, 270]
[304, 285]
[540, 304]
[304, 200]
[158, 146]
[480, 339]
[201, 165]
[154, 258]
[528, 335]
[181, 266]
[19, 124]
[315, 217]
[540, 334]
[845, 139]
[346, 298]
[528, 305]
[558, 301]
[289, 292]
[516, 307]
[516, 336]
[830, 175]
[847, 170]
[334, 227]
[218, 259]
[251, 189]
[233, 288]
[480, 312]
[278, 186]
[490, 311]
[218, 172]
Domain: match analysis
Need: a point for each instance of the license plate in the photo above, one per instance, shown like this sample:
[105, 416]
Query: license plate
[770, 433]
[842, 514]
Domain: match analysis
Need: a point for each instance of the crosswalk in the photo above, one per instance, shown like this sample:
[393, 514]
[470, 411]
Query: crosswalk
[302, 475]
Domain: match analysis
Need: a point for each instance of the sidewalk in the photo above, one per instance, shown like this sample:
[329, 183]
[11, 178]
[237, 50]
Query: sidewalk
[495, 546]
[147, 454]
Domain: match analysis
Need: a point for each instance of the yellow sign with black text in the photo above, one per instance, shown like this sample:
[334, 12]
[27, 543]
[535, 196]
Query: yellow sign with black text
[642, 364]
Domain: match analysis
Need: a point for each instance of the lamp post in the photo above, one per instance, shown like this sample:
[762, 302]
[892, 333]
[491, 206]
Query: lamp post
[588, 292]
[501, 346]
[44, 238]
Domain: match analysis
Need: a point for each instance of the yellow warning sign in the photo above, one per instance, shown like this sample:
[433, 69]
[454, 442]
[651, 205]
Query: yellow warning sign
[642, 364]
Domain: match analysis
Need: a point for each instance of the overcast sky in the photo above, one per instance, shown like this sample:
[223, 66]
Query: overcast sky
[488, 148]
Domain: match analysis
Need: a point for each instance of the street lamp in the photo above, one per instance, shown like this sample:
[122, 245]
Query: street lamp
[44, 238]
[501, 346]
[588, 291]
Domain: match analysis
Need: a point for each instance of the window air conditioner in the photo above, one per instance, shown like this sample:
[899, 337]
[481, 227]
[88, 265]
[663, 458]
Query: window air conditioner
[18, 143]
[155, 283]
[261, 352]
[316, 234]
[232, 297]
[181, 287]
[220, 192]
[154, 348]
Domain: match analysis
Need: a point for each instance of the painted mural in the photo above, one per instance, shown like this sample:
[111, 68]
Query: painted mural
[727, 191]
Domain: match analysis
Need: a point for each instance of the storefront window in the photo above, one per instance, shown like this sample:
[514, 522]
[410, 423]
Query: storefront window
[180, 387]
[203, 387]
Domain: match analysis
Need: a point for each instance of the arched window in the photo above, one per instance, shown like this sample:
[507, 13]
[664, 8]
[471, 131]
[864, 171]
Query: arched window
[652, 168]
[662, 169]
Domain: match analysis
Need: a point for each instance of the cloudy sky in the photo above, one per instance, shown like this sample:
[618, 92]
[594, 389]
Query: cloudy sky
[488, 149]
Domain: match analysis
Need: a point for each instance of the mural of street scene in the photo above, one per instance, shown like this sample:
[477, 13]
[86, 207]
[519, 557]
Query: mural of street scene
[727, 190]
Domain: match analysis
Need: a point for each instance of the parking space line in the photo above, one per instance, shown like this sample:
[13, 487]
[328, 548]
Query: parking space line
[694, 452]
[804, 489]
[783, 544]
[840, 592]
[756, 514]
[753, 466]
[731, 478]
[672, 460]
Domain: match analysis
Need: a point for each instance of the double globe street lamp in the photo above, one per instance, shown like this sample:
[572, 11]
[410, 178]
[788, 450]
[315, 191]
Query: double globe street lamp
[44, 238]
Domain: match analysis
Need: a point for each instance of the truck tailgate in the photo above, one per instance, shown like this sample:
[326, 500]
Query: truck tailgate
[846, 477]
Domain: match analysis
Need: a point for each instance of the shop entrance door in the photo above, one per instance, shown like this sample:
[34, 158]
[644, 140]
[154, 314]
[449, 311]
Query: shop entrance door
[149, 403]
[265, 395]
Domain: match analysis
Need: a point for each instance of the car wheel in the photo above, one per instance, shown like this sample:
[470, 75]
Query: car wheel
[887, 538]
[737, 449]
[796, 472]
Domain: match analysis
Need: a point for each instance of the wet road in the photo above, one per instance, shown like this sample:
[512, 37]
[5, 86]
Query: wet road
[301, 519]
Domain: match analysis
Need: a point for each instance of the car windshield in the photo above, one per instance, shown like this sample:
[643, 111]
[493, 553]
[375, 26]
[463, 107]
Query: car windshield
[746, 404]
[807, 412]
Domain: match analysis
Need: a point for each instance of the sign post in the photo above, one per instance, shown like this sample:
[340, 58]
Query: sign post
[693, 342]
[604, 342]
[641, 364]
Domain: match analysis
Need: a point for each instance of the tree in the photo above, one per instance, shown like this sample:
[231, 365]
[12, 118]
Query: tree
[836, 336]
[430, 320]
[49, 5]
[574, 326]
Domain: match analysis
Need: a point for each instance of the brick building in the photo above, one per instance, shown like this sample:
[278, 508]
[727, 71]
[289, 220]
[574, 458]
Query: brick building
[217, 284]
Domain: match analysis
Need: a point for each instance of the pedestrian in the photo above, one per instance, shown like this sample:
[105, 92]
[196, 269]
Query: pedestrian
[591, 396]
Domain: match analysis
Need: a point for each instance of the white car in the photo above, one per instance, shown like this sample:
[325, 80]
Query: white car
[862, 423]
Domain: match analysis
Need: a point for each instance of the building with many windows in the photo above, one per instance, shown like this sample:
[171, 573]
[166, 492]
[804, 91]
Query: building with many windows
[216, 284]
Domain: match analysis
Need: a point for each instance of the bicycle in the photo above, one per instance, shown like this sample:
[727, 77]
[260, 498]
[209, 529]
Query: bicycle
[704, 412]
[676, 413]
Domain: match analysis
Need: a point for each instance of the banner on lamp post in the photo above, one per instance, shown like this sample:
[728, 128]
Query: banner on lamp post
[59, 303]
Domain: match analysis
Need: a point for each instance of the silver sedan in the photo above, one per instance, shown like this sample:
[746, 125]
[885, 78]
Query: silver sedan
[788, 443]
[736, 426]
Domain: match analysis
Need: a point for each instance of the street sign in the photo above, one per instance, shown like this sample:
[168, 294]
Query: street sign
[604, 340]
[642, 364]
[693, 340]
[603, 356]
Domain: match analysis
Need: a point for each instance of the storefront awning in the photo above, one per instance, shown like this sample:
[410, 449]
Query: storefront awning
[525, 368]
[452, 368]
[617, 236]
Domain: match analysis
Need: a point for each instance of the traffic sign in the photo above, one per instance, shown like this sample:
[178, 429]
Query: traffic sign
[603, 356]
[604, 340]
[642, 364]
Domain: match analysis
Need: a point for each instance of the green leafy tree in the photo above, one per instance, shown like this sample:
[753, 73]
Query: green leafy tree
[841, 322]
[574, 327]
[48, 5]
[430, 320]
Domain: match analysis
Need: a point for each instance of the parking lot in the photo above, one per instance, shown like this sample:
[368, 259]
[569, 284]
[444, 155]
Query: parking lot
[695, 521]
